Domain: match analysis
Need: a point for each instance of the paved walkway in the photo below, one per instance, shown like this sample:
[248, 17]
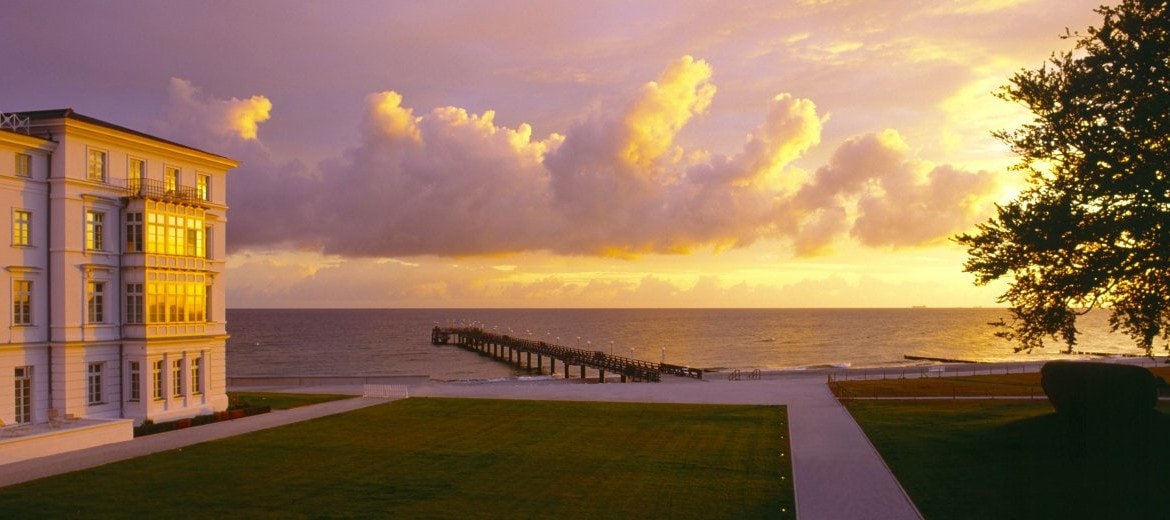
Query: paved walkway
[838, 473]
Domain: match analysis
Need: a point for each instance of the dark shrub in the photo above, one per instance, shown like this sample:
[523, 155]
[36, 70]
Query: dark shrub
[1081, 389]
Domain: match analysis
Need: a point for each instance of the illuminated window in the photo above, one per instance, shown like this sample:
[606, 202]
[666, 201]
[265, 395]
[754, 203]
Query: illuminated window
[135, 381]
[23, 165]
[94, 230]
[177, 378]
[171, 179]
[156, 379]
[135, 173]
[134, 303]
[22, 302]
[203, 186]
[95, 302]
[94, 383]
[175, 230]
[96, 170]
[21, 228]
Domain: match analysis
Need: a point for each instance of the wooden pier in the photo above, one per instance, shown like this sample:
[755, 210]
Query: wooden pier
[518, 351]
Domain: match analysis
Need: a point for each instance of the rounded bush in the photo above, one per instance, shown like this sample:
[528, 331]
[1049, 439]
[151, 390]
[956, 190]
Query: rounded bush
[1085, 389]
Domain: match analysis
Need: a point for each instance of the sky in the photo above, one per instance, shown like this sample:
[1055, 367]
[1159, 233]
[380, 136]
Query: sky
[548, 153]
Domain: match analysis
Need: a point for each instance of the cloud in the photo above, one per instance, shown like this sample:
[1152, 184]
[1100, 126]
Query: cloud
[898, 200]
[450, 182]
[192, 113]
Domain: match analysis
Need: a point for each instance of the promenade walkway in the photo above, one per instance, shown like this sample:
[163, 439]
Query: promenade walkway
[838, 474]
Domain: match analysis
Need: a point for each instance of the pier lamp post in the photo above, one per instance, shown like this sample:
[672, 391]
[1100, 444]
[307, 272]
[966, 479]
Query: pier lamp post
[578, 341]
[611, 348]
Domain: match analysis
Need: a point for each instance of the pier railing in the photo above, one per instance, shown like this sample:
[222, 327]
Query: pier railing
[500, 345]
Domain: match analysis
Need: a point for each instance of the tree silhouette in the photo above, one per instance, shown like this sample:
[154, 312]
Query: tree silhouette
[1092, 227]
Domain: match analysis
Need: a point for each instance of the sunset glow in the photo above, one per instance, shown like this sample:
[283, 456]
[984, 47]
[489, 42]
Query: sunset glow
[560, 154]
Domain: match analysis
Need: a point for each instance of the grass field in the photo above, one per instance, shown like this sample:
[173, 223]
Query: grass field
[999, 385]
[454, 458]
[279, 401]
[1001, 459]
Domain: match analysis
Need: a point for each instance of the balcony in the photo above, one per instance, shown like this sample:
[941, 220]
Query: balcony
[158, 190]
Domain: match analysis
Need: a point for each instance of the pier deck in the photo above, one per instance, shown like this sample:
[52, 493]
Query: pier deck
[509, 349]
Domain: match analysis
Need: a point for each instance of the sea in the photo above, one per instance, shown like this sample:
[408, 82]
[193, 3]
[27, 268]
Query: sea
[396, 342]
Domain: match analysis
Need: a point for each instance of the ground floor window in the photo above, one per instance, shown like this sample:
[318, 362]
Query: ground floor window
[23, 395]
[156, 377]
[197, 375]
[177, 378]
[94, 383]
[135, 381]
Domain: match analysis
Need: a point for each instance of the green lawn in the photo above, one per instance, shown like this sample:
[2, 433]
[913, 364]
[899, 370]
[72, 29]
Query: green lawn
[280, 401]
[955, 386]
[997, 459]
[454, 458]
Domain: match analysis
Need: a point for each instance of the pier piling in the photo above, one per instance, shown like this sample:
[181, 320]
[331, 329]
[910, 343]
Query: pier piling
[493, 345]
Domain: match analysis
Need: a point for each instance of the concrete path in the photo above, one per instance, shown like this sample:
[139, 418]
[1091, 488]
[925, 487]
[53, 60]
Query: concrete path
[838, 474]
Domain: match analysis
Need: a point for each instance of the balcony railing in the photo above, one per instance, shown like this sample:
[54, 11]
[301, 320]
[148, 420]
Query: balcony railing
[14, 123]
[158, 190]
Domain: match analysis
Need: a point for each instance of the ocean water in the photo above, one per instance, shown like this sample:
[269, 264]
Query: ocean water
[369, 342]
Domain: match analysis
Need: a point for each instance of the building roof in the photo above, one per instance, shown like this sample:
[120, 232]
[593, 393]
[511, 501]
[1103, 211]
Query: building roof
[68, 113]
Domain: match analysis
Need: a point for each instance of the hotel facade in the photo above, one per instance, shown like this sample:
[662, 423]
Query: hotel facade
[113, 274]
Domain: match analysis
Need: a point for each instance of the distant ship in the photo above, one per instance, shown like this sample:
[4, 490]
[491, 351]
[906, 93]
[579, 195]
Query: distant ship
[917, 306]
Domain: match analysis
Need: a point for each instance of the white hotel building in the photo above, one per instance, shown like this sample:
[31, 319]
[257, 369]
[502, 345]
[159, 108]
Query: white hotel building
[114, 274]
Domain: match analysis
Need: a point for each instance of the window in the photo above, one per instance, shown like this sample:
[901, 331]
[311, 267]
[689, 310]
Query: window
[135, 173]
[96, 171]
[156, 379]
[203, 186]
[95, 302]
[177, 378]
[171, 179]
[207, 242]
[94, 230]
[194, 238]
[94, 383]
[134, 303]
[23, 165]
[207, 303]
[197, 375]
[23, 395]
[22, 302]
[21, 228]
[134, 239]
[135, 381]
[174, 230]
[175, 297]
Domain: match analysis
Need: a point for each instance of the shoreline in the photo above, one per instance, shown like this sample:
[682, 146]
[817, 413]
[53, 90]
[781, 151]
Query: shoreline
[719, 384]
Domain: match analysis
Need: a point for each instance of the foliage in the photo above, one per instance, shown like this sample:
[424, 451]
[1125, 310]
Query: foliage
[1105, 392]
[1092, 229]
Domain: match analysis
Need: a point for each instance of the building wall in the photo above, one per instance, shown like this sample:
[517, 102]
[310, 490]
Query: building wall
[24, 346]
[79, 358]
